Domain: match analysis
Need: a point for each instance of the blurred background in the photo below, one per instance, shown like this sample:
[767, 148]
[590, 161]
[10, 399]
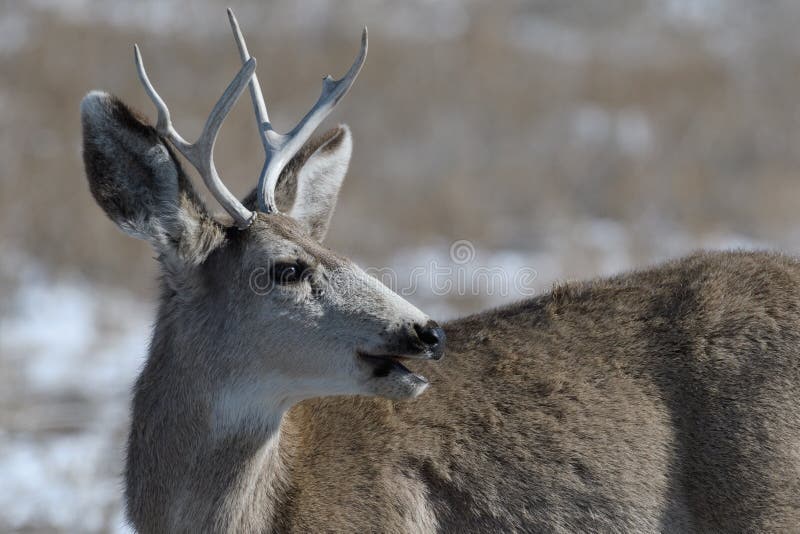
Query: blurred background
[572, 138]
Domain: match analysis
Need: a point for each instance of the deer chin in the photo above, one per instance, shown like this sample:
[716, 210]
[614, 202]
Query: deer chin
[390, 378]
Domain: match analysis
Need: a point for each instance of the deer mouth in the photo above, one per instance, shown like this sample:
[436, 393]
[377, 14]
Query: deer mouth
[384, 364]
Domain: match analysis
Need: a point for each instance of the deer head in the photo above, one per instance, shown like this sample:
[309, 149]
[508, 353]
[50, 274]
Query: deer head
[258, 301]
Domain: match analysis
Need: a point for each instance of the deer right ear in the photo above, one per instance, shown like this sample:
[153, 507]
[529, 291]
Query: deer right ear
[139, 183]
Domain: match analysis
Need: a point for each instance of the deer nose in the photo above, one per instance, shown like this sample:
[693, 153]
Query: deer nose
[432, 336]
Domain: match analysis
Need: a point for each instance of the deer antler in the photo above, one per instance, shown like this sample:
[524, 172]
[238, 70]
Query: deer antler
[201, 152]
[280, 148]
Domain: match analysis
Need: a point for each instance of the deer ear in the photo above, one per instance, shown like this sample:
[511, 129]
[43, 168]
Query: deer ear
[319, 179]
[140, 184]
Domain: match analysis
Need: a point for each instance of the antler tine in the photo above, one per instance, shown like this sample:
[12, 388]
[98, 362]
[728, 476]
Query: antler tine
[280, 148]
[201, 153]
[259, 107]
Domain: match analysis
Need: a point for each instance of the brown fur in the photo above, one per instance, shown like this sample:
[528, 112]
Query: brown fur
[662, 400]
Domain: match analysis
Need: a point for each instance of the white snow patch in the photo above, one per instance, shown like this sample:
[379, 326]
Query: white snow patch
[70, 352]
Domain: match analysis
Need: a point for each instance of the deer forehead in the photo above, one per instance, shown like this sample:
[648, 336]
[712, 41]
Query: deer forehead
[276, 236]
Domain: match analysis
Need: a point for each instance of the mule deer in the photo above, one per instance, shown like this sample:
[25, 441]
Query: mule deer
[661, 400]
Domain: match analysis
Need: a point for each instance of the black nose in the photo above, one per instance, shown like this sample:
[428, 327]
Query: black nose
[432, 335]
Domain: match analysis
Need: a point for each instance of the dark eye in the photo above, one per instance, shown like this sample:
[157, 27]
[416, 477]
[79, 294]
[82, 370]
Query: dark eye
[289, 273]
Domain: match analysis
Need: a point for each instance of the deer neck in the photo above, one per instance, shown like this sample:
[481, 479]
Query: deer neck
[235, 485]
[203, 453]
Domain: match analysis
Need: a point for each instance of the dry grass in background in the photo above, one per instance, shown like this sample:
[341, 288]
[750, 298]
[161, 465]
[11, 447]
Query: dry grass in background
[576, 139]
[505, 123]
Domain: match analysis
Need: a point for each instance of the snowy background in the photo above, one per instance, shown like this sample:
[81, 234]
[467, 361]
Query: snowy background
[570, 139]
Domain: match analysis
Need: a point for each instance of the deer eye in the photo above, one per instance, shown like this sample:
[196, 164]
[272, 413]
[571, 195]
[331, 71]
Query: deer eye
[290, 272]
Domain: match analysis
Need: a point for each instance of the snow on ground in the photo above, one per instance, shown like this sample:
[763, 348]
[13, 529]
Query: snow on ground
[69, 352]
[460, 277]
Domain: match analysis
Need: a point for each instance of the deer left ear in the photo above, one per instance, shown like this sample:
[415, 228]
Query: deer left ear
[319, 181]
